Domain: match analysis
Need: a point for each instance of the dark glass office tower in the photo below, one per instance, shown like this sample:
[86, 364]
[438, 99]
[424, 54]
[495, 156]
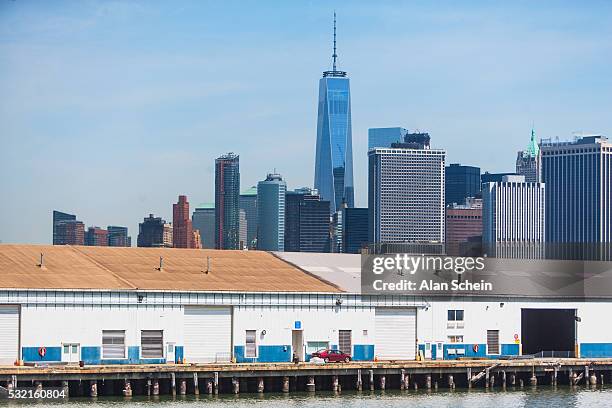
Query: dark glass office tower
[461, 182]
[334, 151]
[354, 230]
[151, 232]
[248, 203]
[227, 202]
[118, 236]
[306, 222]
[59, 217]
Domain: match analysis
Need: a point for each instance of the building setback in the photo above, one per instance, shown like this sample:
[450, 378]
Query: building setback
[182, 233]
[271, 213]
[152, 233]
[578, 177]
[227, 209]
[406, 192]
[307, 221]
[248, 203]
[203, 220]
[354, 230]
[461, 182]
[513, 217]
[118, 236]
[59, 217]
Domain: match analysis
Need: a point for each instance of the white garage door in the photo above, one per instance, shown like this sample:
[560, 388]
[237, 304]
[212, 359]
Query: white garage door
[208, 334]
[395, 334]
[9, 334]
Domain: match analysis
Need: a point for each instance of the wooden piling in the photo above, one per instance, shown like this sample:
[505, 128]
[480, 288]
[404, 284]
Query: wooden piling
[407, 381]
[93, 389]
[260, 384]
[127, 388]
[310, 385]
[235, 385]
[209, 386]
[155, 387]
[65, 388]
[335, 384]
[503, 379]
[382, 381]
[513, 379]
[451, 381]
[216, 383]
[469, 377]
[196, 386]
[359, 383]
[285, 384]
[182, 386]
[371, 380]
[402, 379]
[173, 384]
[428, 381]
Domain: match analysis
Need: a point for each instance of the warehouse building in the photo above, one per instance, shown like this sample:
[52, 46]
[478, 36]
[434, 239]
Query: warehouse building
[156, 305]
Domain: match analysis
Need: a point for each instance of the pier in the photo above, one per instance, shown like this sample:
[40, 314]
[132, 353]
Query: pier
[183, 379]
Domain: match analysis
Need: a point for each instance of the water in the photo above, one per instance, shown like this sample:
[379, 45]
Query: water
[527, 397]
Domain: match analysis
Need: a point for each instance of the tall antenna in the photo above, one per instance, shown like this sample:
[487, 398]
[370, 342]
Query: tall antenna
[334, 55]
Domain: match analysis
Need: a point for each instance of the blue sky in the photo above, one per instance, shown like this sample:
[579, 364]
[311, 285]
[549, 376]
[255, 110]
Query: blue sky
[111, 109]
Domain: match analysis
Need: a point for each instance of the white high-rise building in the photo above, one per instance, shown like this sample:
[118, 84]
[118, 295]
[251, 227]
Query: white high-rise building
[513, 217]
[406, 192]
[271, 213]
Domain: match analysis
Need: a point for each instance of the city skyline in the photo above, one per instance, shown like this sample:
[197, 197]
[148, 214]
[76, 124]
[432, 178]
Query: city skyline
[127, 101]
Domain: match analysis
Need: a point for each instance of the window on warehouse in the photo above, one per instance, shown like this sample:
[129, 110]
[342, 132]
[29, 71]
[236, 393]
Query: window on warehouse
[152, 343]
[113, 344]
[251, 344]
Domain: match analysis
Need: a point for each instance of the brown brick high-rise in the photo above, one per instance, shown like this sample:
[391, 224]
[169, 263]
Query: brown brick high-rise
[181, 222]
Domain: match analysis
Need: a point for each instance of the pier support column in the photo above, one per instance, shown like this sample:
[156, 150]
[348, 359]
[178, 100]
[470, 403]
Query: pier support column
[65, 388]
[521, 384]
[173, 383]
[260, 385]
[492, 381]
[469, 377]
[216, 383]
[554, 376]
[371, 380]
[38, 385]
[235, 385]
[407, 381]
[451, 382]
[182, 386]
[602, 379]
[285, 384]
[586, 374]
[93, 388]
[503, 379]
[149, 387]
[428, 381]
[402, 378]
[359, 384]
[383, 382]
[513, 379]
[155, 388]
[487, 374]
[196, 386]
[593, 378]
[127, 388]
[209, 386]
[334, 384]
[533, 381]
[310, 385]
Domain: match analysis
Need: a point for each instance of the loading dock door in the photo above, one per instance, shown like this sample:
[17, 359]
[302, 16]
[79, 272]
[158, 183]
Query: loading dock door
[9, 334]
[208, 334]
[395, 334]
[548, 330]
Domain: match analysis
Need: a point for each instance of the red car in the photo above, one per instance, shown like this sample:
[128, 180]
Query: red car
[332, 355]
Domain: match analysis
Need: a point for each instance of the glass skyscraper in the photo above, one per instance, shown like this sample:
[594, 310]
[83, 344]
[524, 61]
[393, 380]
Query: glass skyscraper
[334, 154]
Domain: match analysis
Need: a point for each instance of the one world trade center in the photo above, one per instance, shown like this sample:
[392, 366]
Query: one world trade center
[334, 155]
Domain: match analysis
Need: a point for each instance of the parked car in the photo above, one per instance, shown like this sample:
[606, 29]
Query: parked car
[329, 355]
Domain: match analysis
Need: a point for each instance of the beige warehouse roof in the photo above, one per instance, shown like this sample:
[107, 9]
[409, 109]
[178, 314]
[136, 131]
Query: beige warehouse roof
[83, 267]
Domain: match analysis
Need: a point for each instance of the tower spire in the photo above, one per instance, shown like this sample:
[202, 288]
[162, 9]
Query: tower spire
[334, 55]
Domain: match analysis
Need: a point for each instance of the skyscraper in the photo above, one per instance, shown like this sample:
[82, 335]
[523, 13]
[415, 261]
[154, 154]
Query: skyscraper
[354, 229]
[59, 217]
[384, 137]
[227, 192]
[513, 218]
[96, 236]
[153, 231]
[271, 213]
[306, 221]
[248, 203]
[464, 227]
[461, 182]
[242, 229]
[406, 192]
[334, 151]
[182, 233]
[203, 220]
[118, 236]
[70, 232]
[528, 161]
[578, 178]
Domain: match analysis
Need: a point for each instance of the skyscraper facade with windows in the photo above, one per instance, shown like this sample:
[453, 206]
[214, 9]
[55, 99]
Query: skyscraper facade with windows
[182, 233]
[528, 161]
[307, 221]
[248, 203]
[118, 236]
[334, 150]
[271, 213]
[58, 218]
[406, 192]
[385, 137]
[227, 209]
[461, 182]
[578, 178]
[203, 220]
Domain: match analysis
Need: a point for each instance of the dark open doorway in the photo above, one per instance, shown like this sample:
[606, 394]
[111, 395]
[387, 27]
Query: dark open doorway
[546, 330]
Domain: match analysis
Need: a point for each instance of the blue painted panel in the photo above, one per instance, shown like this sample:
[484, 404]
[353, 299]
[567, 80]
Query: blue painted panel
[510, 349]
[595, 350]
[31, 354]
[90, 355]
[363, 352]
[434, 351]
[334, 347]
[179, 353]
[266, 354]
[506, 350]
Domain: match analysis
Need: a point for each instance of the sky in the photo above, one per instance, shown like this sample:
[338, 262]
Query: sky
[111, 109]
